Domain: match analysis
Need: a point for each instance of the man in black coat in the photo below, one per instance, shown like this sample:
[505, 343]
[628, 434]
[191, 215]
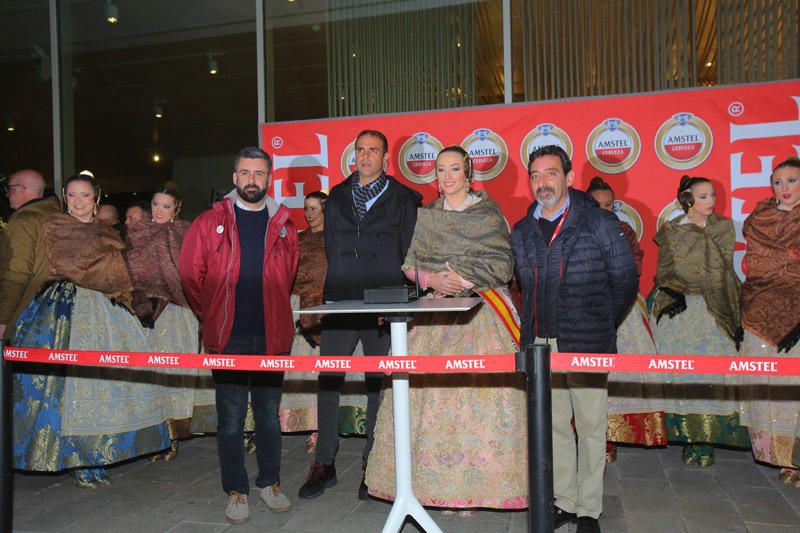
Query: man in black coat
[369, 222]
[578, 280]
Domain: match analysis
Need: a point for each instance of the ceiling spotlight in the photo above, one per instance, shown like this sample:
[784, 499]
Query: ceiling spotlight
[710, 63]
[156, 158]
[213, 66]
[112, 12]
[10, 126]
[158, 111]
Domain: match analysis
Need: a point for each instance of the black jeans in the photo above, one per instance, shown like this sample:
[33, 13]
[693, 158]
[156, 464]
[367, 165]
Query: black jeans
[231, 393]
[340, 335]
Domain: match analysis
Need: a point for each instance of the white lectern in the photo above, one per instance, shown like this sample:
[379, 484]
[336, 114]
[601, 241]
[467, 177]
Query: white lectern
[398, 315]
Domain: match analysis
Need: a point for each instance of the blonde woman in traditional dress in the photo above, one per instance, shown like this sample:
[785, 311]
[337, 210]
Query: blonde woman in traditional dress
[468, 434]
[771, 320]
[170, 326]
[634, 399]
[696, 311]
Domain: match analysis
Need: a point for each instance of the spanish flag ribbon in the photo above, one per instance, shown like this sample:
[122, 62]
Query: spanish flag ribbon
[502, 307]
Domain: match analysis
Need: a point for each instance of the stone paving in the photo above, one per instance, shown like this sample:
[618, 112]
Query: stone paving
[649, 491]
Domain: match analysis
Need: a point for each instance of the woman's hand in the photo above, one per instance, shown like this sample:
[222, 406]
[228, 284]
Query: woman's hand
[445, 283]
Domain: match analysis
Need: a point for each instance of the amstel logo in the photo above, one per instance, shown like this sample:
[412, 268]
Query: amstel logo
[683, 141]
[671, 211]
[488, 152]
[544, 135]
[613, 146]
[349, 159]
[417, 157]
[626, 213]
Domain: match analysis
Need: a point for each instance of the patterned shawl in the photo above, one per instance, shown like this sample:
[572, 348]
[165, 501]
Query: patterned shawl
[89, 255]
[772, 288]
[152, 255]
[311, 269]
[699, 261]
[475, 242]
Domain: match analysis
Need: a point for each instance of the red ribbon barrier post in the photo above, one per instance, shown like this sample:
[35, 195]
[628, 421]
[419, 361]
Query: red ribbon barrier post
[6, 476]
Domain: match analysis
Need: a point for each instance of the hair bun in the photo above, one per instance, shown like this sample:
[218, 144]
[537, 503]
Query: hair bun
[597, 181]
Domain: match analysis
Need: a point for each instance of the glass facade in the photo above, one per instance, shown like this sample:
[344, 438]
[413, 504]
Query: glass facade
[26, 110]
[153, 91]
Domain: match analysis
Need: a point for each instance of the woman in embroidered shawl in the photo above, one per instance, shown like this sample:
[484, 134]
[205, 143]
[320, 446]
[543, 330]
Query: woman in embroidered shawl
[634, 399]
[298, 403]
[696, 311]
[154, 246]
[299, 399]
[56, 422]
[771, 319]
[467, 431]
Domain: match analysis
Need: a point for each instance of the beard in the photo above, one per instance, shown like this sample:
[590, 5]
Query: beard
[546, 201]
[251, 193]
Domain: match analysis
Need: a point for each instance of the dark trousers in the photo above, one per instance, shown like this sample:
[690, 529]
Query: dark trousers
[231, 393]
[340, 335]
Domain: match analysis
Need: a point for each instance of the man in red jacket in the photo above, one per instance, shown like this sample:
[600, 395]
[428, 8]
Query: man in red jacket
[237, 265]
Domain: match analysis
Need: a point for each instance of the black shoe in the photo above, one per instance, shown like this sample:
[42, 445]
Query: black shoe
[320, 477]
[587, 524]
[561, 517]
[363, 490]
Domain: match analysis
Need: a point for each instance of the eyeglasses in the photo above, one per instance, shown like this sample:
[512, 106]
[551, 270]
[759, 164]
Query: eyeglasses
[8, 189]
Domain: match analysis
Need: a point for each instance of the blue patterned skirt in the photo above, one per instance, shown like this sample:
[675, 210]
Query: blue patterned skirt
[38, 392]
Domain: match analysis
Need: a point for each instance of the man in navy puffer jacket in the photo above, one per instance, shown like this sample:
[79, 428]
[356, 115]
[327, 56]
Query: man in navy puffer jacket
[578, 280]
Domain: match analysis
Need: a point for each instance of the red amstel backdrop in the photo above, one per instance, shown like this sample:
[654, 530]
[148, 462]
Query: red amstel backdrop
[641, 145]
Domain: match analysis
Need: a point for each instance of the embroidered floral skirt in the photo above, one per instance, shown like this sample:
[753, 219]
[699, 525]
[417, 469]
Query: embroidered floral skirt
[468, 431]
[701, 408]
[770, 406]
[38, 392]
[635, 400]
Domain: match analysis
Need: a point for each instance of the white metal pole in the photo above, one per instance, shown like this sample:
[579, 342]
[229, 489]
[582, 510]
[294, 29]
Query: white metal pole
[405, 503]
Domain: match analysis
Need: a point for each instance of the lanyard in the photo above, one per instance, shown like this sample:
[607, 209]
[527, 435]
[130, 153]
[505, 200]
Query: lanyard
[558, 228]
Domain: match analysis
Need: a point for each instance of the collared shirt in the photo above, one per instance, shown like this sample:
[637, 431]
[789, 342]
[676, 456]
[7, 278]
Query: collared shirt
[373, 200]
[537, 213]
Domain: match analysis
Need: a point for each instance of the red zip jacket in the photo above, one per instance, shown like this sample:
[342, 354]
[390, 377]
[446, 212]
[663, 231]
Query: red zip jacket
[209, 270]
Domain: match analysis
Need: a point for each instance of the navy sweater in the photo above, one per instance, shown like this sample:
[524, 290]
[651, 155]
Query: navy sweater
[248, 316]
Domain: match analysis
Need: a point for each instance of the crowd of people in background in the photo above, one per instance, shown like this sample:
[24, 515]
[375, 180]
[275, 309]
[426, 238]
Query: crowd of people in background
[76, 274]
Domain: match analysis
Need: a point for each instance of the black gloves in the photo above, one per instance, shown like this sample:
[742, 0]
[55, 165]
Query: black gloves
[147, 321]
[675, 308]
[306, 335]
[788, 342]
[738, 337]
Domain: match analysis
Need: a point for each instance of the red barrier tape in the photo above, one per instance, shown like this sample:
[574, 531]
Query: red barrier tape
[560, 361]
[478, 363]
[679, 364]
